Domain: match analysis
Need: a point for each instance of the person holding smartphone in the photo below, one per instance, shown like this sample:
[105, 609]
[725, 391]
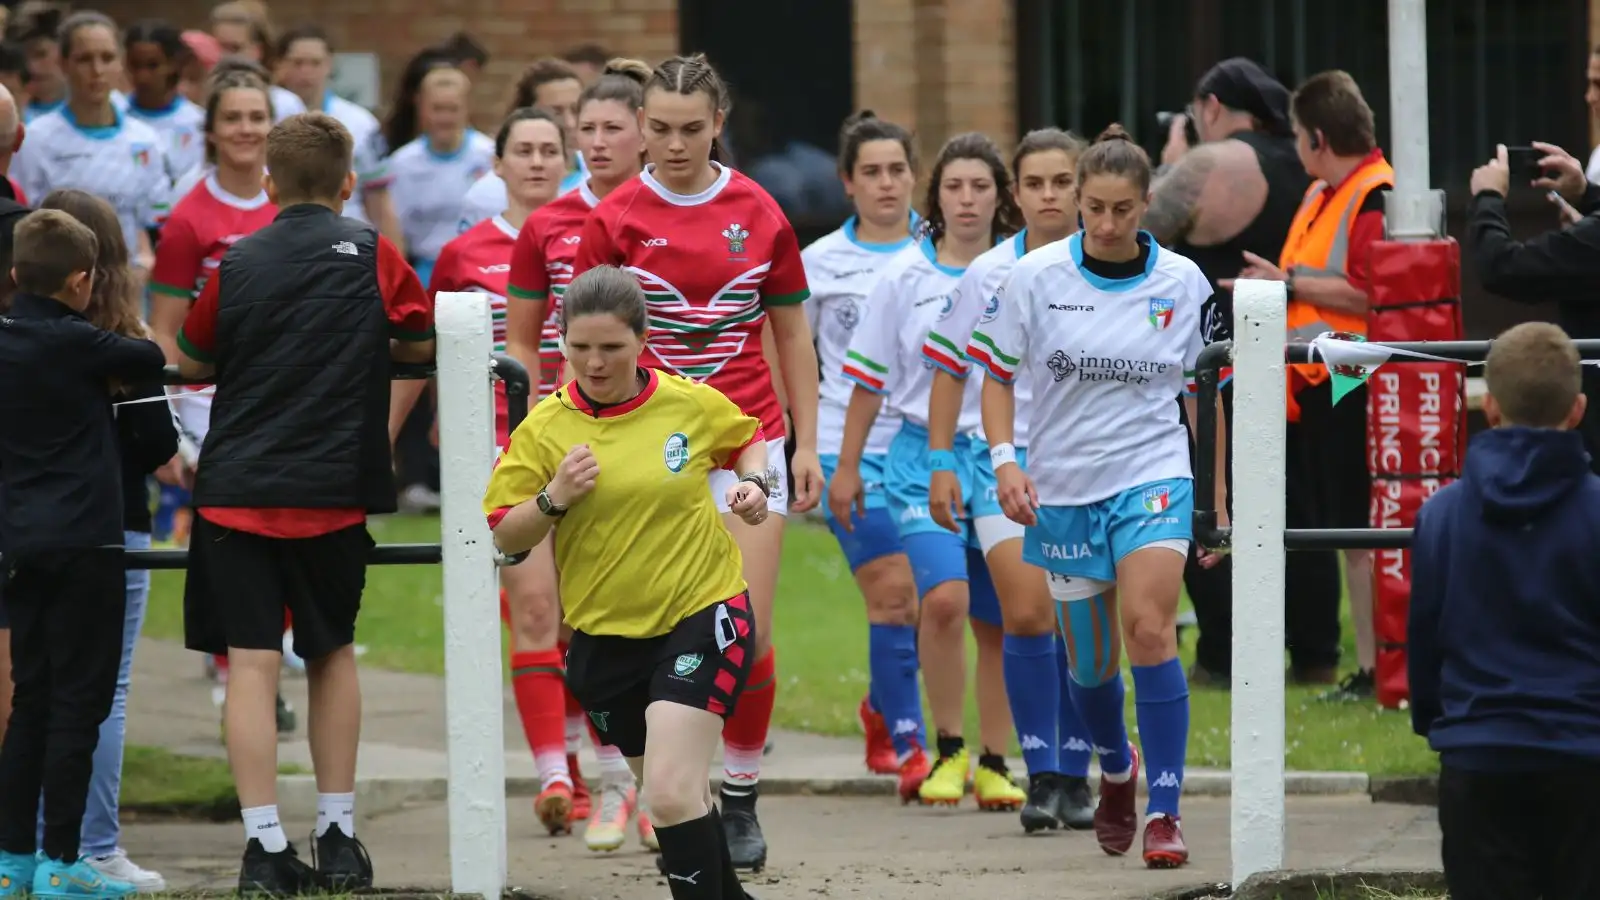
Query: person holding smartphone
[1561, 265]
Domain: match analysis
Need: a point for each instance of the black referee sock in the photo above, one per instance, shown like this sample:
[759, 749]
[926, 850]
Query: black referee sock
[693, 853]
[731, 889]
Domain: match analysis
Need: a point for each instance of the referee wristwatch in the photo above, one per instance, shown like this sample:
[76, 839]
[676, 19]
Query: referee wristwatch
[759, 479]
[548, 506]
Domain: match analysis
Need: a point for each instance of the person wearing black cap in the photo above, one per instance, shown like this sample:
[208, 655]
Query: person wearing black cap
[1235, 193]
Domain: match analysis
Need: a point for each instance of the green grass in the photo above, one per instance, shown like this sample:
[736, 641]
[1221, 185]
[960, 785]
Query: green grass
[155, 778]
[822, 631]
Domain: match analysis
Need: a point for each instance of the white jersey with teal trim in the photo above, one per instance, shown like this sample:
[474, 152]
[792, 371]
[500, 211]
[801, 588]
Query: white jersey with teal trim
[372, 170]
[1109, 358]
[285, 103]
[182, 124]
[841, 269]
[975, 302]
[122, 164]
[426, 187]
[487, 197]
[885, 356]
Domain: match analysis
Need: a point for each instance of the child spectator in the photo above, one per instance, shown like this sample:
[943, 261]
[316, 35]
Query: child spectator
[299, 322]
[1505, 636]
[61, 525]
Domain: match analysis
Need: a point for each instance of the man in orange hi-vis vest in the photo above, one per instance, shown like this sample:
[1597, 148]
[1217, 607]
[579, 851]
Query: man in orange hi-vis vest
[1324, 264]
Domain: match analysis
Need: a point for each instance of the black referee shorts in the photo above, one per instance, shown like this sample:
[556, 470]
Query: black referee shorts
[239, 585]
[703, 662]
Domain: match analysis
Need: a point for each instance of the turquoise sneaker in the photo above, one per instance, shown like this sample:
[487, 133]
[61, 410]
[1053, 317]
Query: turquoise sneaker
[76, 881]
[16, 873]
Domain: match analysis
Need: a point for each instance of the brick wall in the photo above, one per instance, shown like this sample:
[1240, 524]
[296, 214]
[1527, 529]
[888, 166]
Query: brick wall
[940, 67]
[515, 31]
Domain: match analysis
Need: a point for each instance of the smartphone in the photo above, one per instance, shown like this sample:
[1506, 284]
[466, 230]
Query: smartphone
[1524, 163]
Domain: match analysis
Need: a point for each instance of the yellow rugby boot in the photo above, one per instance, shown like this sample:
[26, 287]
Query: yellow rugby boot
[994, 789]
[946, 783]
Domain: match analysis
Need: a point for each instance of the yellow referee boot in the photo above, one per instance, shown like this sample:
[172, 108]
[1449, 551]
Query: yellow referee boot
[946, 783]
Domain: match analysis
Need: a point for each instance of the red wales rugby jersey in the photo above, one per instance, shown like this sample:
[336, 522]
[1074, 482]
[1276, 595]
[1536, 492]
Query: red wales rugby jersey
[710, 264]
[200, 229]
[541, 268]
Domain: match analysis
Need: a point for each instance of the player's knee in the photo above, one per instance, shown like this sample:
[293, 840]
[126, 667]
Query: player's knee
[891, 594]
[1148, 631]
[1031, 619]
[672, 795]
[535, 618]
[945, 607]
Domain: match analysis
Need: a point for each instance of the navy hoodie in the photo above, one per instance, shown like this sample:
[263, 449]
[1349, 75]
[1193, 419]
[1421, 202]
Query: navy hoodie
[1504, 638]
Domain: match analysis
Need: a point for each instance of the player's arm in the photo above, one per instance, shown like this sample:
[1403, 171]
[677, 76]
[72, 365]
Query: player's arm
[784, 294]
[177, 270]
[376, 200]
[527, 302]
[944, 347]
[411, 334]
[868, 365]
[197, 339]
[999, 348]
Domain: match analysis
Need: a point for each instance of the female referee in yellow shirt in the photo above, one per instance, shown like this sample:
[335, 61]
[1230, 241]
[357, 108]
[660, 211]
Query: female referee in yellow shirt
[650, 578]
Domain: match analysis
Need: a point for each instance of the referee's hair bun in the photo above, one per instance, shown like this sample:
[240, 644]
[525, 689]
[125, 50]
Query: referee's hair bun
[1114, 132]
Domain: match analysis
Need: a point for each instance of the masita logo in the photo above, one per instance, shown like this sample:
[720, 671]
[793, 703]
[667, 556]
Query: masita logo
[675, 453]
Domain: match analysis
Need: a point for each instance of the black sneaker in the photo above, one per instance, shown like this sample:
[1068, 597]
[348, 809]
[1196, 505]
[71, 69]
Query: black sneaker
[1044, 798]
[341, 860]
[746, 846]
[1357, 687]
[1076, 807]
[280, 874]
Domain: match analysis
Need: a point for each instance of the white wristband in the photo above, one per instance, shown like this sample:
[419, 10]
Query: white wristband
[1000, 454]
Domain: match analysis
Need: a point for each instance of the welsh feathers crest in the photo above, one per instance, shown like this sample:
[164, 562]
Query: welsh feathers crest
[736, 235]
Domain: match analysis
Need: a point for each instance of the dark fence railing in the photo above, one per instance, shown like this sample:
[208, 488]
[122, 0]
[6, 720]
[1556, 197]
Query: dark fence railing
[1208, 376]
[505, 370]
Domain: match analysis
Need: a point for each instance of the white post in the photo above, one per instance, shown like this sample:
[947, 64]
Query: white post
[1413, 211]
[474, 730]
[1259, 387]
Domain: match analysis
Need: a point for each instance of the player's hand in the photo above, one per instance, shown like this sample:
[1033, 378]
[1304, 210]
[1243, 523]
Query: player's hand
[1018, 497]
[846, 495]
[808, 481]
[944, 500]
[1207, 558]
[575, 476]
[174, 472]
[746, 501]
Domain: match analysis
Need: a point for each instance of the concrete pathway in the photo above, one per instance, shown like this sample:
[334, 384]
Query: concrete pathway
[834, 830]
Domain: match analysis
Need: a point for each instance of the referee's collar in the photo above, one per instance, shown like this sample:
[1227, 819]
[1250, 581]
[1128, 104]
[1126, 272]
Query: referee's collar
[612, 410]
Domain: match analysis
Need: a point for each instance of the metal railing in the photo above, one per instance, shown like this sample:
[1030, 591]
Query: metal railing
[503, 368]
[1208, 374]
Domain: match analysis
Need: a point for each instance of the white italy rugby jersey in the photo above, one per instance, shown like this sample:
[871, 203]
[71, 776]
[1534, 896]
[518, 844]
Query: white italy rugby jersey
[885, 356]
[841, 270]
[123, 164]
[1108, 358]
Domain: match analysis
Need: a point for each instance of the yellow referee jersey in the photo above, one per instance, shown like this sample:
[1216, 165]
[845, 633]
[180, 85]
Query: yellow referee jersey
[646, 548]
